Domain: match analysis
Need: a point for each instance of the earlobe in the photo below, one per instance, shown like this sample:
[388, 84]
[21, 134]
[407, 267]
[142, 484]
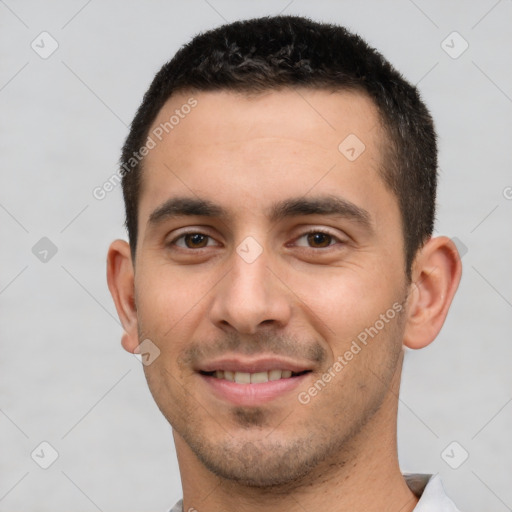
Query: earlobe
[120, 279]
[435, 278]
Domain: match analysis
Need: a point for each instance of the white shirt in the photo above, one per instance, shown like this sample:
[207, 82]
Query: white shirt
[431, 493]
[426, 487]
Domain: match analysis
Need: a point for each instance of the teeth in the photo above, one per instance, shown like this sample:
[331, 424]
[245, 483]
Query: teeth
[252, 378]
[259, 377]
[274, 374]
[242, 378]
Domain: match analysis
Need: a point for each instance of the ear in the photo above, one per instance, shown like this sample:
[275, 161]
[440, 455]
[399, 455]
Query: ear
[435, 276]
[120, 279]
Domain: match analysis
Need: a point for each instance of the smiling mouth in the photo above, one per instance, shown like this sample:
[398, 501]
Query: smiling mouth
[253, 378]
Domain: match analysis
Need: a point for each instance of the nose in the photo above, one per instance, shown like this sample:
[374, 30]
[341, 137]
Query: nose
[251, 295]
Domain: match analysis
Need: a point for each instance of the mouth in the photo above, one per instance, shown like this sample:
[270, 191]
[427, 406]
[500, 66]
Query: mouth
[253, 378]
[252, 382]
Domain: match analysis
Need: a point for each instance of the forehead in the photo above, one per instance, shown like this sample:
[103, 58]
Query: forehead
[309, 115]
[263, 146]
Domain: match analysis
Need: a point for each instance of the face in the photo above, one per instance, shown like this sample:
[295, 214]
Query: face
[270, 275]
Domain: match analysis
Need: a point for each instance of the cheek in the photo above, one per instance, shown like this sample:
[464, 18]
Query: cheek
[167, 301]
[342, 303]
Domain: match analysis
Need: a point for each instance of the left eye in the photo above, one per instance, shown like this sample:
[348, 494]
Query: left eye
[318, 239]
[192, 240]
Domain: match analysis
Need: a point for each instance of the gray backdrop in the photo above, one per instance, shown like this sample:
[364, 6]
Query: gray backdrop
[65, 379]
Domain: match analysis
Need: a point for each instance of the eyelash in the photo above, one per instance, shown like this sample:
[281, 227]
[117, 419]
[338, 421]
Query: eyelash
[333, 237]
[306, 233]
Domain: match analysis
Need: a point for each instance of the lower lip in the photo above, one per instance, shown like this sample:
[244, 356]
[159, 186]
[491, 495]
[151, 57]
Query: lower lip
[252, 394]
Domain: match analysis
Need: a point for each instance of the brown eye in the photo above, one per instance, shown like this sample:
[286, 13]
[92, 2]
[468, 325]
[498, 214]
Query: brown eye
[319, 239]
[195, 240]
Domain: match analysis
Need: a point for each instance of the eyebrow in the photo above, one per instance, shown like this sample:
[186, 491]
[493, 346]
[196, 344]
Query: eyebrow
[320, 205]
[185, 206]
[293, 207]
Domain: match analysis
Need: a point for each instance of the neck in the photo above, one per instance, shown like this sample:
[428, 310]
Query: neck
[369, 479]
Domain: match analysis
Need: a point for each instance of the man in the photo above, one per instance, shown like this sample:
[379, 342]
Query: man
[279, 181]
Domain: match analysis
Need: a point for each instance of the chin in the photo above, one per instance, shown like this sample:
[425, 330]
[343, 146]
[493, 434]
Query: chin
[262, 464]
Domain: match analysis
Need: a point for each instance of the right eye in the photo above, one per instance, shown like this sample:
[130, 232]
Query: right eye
[191, 240]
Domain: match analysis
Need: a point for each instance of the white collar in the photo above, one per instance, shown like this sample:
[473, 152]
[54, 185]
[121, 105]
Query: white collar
[426, 487]
[431, 493]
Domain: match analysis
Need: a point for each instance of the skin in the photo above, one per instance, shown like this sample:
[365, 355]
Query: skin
[305, 298]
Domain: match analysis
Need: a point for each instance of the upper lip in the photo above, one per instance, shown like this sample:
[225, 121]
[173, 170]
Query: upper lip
[263, 364]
